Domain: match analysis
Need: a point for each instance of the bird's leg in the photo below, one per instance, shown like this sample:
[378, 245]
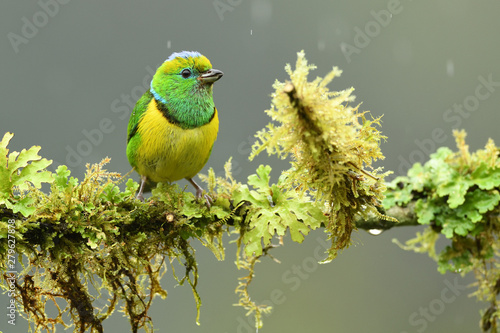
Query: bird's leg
[199, 192]
[141, 188]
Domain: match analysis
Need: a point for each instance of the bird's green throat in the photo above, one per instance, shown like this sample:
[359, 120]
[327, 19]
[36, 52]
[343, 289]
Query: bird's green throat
[187, 106]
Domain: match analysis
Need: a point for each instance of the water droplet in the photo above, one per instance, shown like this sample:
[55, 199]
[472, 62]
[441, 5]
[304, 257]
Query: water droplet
[321, 45]
[450, 68]
[168, 44]
[251, 32]
[375, 232]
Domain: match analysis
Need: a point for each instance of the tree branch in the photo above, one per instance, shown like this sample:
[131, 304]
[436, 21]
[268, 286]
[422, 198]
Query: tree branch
[405, 215]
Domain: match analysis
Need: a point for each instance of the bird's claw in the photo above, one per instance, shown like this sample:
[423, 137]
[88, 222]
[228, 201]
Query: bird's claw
[208, 200]
[199, 193]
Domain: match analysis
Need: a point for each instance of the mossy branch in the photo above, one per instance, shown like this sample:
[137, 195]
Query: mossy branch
[94, 233]
[404, 215]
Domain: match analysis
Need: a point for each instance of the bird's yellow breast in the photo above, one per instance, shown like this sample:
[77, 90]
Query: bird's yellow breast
[168, 152]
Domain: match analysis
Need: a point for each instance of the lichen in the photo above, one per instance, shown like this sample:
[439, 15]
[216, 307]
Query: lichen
[457, 195]
[331, 143]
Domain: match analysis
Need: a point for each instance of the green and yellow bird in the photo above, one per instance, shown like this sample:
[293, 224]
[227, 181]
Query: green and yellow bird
[174, 125]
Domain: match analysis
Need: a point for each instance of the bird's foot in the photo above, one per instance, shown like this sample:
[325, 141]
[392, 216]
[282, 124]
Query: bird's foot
[199, 193]
[208, 200]
[141, 189]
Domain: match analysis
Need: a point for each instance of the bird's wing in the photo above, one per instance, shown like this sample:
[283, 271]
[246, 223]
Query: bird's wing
[139, 109]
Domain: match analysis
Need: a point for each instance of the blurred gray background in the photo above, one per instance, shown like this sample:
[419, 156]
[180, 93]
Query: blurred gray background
[70, 71]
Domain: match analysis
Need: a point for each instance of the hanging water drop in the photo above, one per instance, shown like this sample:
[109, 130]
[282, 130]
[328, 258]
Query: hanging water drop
[375, 232]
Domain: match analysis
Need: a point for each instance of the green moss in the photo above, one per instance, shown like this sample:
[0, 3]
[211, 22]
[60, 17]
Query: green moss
[331, 143]
[91, 229]
[81, 232]
[457, 196]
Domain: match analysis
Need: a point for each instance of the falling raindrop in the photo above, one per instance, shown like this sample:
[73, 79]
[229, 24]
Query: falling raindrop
[168, 44]
[321, 45]
[375, 232]
[450, 68]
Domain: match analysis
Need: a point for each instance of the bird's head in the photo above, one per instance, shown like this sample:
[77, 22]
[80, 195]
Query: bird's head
[184, 76]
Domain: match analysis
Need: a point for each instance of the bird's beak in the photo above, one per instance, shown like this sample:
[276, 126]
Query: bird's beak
[210, 76]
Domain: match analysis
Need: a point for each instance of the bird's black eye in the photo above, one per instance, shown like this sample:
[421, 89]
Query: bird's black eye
[186, 73]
